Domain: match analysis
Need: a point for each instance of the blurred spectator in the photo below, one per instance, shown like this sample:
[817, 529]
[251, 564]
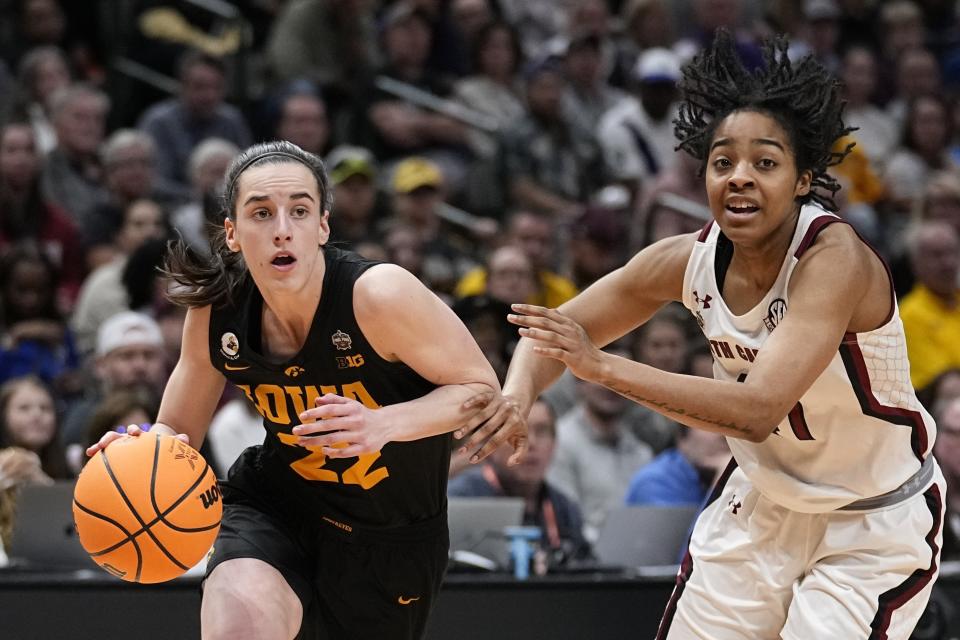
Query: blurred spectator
[510, 279]
[537, 21]
[597, 244]
[486, 319]
[449, 48]
[924, 150]
[549, 166]
[534, 234]
[30, 449]
[547, 507]
[35, 338]
[28, 421]
[683, 474]
[28, 217]
[235, 426]
[469, 19]
[597, 453]
[588, 94]
[918, 75]
[395, 127]
[129, 354]
[877, 132]
[179, 124]
[353, 175]
[34, 23]
[637, 135]
[72, 175]
[941, 198]
[493, 89]
[860, 188]
[901, 29]
[510, 275]
[947, 451]
[331, 42]
[661, 342]
[418, 193]
[128, 157]
[647, 24]
[942, 389]
[117, 410]
[674, 202]
[403, 246]
[207, 168]
[710, 15]
[144, 279]
[103, 293]
[303, 120]
[43, 71]
[819, 34]
[931, 311]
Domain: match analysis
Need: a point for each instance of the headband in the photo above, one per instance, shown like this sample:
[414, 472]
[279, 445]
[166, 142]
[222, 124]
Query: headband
[286, 154]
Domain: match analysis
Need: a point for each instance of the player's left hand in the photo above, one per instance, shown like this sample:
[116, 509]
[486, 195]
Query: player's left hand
[555, 335]
[343, 427]
[496, 420]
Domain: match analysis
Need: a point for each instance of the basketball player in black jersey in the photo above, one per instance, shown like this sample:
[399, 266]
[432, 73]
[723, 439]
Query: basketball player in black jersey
[335, 527]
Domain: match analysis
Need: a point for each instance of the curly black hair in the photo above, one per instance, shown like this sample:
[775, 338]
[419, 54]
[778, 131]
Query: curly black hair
[803, 97]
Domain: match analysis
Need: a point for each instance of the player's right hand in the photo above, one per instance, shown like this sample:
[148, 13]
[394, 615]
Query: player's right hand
[134, 431]
[497, 419]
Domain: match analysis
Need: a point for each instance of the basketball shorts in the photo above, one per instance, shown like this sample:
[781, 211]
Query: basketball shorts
[356, 585]
[755, 570]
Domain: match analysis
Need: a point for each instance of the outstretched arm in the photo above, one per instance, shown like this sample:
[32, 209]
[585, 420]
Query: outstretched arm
[610, 308]
[404, 322]
[828, 296]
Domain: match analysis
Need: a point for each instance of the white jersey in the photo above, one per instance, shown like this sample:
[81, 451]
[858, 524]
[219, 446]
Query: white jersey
[858, 431]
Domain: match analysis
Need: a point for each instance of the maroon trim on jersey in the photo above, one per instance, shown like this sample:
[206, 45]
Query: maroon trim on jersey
[686, 565]
[860, 381]
[705, 232]
[890, 601]
[819, 224]
[798, 423]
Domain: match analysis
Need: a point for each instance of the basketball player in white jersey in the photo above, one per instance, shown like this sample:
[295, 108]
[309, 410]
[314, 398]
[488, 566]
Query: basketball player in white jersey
[828, 522]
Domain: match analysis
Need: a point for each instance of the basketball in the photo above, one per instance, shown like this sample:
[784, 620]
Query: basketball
[147, 508]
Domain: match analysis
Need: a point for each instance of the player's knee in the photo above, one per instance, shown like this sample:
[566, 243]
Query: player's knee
[249, 599]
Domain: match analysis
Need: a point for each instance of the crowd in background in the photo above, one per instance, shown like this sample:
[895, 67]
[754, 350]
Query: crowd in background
[500, 150]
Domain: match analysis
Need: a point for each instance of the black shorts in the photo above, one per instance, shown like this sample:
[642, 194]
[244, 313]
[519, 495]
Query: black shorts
[353, 586]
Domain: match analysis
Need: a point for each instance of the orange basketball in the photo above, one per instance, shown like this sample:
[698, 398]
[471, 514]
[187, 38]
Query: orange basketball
[147, 508]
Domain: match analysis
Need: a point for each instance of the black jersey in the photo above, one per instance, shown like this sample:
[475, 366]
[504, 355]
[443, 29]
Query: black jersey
[405, 482]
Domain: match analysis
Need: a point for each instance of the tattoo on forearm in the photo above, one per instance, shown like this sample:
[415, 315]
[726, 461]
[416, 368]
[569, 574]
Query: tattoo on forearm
[679, 411]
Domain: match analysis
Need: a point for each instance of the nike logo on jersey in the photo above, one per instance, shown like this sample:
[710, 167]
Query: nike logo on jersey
[403, 600]
[230, 367]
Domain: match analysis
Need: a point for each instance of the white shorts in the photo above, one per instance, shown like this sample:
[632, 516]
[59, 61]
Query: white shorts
[758, 571]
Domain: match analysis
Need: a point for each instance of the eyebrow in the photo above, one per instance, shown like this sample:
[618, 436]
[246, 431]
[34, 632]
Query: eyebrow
[293, 196]
[722, 142]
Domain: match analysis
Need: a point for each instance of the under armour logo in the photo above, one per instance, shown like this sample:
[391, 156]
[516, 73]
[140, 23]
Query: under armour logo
[704, 301]
[734, 504]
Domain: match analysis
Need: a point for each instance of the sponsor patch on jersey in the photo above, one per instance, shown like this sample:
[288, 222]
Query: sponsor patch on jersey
[342, 341]
[702, 304]
[775, 313]
[229, 345]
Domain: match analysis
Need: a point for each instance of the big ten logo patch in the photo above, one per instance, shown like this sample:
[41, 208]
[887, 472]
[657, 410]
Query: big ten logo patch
[350, 362]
